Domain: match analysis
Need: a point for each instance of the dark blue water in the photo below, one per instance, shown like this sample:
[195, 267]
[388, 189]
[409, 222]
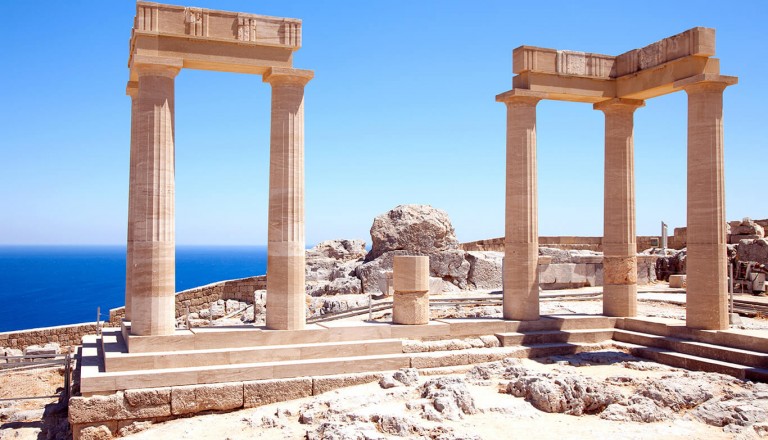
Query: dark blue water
[42, 286]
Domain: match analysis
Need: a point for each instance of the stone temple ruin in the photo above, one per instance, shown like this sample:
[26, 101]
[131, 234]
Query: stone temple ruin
[150, 370]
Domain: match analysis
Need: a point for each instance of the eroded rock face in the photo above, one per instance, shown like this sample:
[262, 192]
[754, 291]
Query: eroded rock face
[569, 394]
[449, 396]
[419, 229]
[331, 266]
[343, 250]
[746, 227]
[753, 250]
[485, 269]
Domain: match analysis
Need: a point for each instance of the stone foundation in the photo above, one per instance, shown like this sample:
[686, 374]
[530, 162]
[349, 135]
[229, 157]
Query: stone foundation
[105, 416]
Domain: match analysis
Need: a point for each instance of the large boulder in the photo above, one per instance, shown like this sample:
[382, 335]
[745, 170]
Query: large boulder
[419, 229]
[753, 250]
[747, 227]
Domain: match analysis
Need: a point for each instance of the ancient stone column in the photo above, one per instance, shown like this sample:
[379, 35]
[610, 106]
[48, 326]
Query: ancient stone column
[706, 264]
[286, 304]
[619, 233]
[410, 302]
[154, 258]
[131, 90]
[521, 243]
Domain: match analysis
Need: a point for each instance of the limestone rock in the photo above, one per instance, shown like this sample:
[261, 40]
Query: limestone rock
[51, 348]
[559, 256]
[679, 393]
[637, 409]
[485, 269]
[753, 250]
[566, 393]
[100, 432]
[387, 381]
[419, 229]
[406, 376]
[342, 250]
[747, 227]
[449, 396]
[264, 392]
[196, 398]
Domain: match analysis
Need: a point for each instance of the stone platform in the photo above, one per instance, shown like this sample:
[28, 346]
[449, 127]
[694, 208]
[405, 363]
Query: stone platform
[119, 361]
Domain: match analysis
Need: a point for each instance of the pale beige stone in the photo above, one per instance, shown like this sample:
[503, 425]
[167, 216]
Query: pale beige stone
[197, 398]
[410, 308]
[265, 392]
[411, 273]
[706, 306]
[521, 246]
[285, 250]
[677, 281]
[146, 404]
[323, 384]
[619, 234]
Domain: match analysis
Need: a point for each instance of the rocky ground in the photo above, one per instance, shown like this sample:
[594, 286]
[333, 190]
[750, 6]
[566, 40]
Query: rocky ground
[606, 394]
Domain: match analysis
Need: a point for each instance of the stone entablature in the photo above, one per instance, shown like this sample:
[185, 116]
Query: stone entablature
[698, 41]
[654, 70]
[213, 40]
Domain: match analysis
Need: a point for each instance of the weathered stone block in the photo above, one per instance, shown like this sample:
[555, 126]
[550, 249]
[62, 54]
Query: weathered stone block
[410, 308]
[196, 398]
[148, 397]
[324, 384]
[264, 392]
[146, 404]
[411, 273]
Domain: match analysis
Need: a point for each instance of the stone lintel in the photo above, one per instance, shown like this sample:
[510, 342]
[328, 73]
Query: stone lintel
[619, 104]
[567, 87]
[698, 41]
[287, 74]
[563, 62]
[703, 78]
[215, 25]
[520, 95]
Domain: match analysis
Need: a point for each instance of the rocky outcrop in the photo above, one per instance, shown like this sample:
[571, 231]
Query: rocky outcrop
[745, 229]
[421, 229]
[753, 250]
[331, 267]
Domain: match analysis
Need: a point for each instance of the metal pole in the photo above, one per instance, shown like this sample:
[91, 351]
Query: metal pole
[98, 321]
[370, 310]
[663, 237]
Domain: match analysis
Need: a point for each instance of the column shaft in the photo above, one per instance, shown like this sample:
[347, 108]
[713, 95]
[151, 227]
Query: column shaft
[153, 287]
[619, 233]
[286, 304]
[132, 91]
[706, 262]
[521, 243]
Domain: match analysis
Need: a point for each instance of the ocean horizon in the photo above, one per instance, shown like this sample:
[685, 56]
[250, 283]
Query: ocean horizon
[50, 285]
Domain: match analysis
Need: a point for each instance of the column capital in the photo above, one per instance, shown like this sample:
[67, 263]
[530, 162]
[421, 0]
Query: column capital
[132, 89]
[520, 96]
[706, 82]
[619, 105]
[143, 65]
[287, 75]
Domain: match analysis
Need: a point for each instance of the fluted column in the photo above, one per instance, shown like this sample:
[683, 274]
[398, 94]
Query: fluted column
[706, 263]
[619, 233]
[153, 301]
[521, 242]
[286, 304]
[131, 90]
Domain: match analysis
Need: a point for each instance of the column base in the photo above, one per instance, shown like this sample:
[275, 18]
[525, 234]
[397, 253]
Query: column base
[620, 300]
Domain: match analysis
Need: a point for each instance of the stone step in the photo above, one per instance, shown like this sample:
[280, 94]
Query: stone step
[116, 357]
[555, 336]
[695, 348]
[697, 363]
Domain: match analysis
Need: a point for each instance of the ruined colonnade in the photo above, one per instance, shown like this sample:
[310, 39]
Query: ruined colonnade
[618, 86]
[166, 39]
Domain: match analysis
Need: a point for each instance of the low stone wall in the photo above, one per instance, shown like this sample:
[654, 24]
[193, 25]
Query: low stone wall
[198, 298]
[64, 335]
[561, 242]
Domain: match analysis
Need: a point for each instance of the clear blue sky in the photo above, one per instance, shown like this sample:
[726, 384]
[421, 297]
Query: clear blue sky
[401, 110]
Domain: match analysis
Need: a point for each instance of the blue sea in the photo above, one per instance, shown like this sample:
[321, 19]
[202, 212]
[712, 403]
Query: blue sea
[42, 286]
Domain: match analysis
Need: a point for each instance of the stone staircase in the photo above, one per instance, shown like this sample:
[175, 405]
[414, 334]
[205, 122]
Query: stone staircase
[673, 344]
[224, 355]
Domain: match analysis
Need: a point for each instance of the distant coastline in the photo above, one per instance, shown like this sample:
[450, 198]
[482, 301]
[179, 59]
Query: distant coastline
[49, 285]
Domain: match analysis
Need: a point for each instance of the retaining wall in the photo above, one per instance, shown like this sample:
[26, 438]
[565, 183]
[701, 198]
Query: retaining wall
[561, 242]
